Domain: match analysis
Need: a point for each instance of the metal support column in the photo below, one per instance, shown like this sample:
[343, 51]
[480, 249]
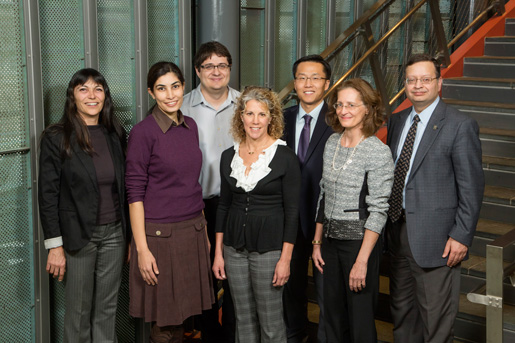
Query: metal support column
[185, 46]
[377, 71]
[302, 23]
[269, 78]
[220, 21]
[89, 10]
[141, 65]
[36, 126]
[142, 330]
[331, 22]
[494, 292]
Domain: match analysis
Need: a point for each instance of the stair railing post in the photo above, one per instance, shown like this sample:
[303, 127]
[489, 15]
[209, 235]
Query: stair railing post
[443, 52]
[494, 293]
[375, 65]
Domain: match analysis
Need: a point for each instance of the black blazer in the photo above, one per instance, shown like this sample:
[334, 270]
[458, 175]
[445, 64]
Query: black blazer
[68, 190]
[311, 171]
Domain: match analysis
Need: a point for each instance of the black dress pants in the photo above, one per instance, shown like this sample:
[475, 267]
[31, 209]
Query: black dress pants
[212, 331]
[349, 316]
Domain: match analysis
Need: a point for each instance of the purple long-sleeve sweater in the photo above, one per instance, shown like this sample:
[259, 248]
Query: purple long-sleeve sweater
[163, 168]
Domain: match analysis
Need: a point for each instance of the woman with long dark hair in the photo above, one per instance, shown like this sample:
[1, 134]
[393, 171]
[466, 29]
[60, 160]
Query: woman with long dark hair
[81, 204]
[170, 276]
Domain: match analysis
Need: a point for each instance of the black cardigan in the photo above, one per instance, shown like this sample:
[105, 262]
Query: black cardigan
[262, 219]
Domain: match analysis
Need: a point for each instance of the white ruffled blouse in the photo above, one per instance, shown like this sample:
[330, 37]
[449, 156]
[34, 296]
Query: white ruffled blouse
[258, 169]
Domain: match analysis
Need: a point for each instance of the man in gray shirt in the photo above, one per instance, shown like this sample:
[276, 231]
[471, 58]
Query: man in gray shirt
[212, 104]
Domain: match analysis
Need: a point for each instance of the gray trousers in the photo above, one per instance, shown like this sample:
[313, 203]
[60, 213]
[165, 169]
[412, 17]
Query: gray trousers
[424, 301]
[93, 276]
[257, 303]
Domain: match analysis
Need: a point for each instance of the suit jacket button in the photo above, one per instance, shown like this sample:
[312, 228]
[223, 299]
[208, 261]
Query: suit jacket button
[158, 233]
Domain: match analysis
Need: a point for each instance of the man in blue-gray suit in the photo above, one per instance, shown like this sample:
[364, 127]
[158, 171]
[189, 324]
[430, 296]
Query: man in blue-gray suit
[434, 206]
[306, 133]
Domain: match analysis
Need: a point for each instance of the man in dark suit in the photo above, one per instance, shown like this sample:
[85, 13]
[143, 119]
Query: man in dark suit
[306, 132]
[434, 206]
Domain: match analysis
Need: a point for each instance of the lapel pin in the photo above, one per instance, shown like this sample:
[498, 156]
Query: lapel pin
[435, 127]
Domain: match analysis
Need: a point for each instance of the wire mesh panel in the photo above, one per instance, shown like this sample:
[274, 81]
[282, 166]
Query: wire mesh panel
[17, 317]
[116, 56]
[285, 40]
[316, 26]
[163, 33]
[116, 59]
[343, 17]
[62, 52]
[252, 42]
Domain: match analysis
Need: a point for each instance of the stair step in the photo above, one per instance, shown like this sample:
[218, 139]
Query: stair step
[500, 46]
[480, 104]
[497, 146]
[489, 117]
[496, 211]
[479, 89]
[499, 178]
[492, 229]
[489, 67]
[499, 163]
[499, 195]
[509, 27]
[508, 135]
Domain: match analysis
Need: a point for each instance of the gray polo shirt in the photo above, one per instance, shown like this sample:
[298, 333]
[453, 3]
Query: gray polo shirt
[213, 128]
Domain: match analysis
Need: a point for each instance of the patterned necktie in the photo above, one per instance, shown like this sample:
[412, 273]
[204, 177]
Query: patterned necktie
[401, 169]
[304, 138]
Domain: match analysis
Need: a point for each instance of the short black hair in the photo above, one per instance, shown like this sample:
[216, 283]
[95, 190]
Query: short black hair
[316, 59]
[207, 50]
[424, 58]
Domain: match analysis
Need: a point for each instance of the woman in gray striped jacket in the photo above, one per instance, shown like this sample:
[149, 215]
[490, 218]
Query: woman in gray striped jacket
[356, 184]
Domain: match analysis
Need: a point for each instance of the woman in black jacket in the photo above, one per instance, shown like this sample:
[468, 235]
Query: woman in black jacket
[83, 207]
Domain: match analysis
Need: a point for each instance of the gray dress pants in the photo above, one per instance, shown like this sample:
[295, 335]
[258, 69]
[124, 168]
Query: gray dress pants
[93, 276]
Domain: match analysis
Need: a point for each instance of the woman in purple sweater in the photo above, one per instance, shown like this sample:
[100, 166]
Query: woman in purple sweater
[170, 276]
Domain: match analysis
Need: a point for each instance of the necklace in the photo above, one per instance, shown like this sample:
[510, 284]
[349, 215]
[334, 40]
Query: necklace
[349, 159]
[253, 152]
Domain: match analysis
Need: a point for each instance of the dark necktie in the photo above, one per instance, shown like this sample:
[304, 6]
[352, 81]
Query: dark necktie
[401, 169]
[304, 138]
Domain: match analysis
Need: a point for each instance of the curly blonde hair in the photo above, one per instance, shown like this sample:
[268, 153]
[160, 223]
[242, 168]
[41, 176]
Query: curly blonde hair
[373, 120]
[266, 97]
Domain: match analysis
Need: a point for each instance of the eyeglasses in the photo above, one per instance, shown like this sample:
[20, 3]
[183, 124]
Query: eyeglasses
[410, 81]
[211, 67]
[349, 107]
[303, 79]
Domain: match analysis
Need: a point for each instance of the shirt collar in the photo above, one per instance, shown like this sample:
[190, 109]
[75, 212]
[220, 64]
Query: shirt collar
[197, 97]
[425, 115]
[314, 114]
[165, 122]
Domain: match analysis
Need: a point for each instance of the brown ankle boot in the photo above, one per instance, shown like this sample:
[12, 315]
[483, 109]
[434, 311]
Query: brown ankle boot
[160, 334]
[177, 334]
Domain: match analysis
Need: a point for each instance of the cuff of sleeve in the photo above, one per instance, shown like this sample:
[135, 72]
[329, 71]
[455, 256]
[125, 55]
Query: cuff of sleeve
[53, 242]
[375, 223]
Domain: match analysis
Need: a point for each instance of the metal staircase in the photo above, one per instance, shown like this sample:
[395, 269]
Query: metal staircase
[486, 92]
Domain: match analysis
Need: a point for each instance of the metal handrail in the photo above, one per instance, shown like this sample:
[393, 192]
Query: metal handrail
[498, 6]
[369, 15]
[375, 10]
[336, 45]
[493, 297]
